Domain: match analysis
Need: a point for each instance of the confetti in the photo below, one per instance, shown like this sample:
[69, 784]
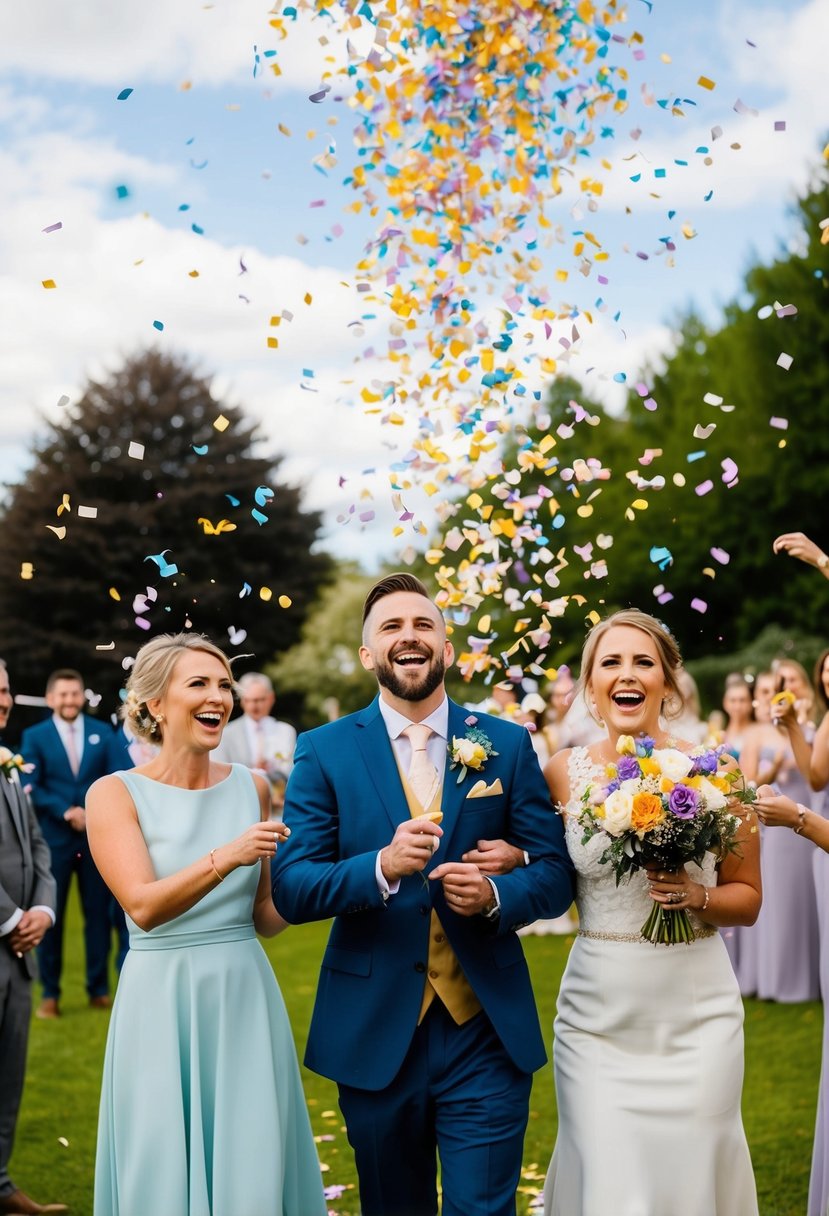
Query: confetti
[221, 423]
[27, 570]
[124, 94]
[53, 227]
[136, 450]
[87, 512]
[785, 361]
[48, 284]
[159, 325]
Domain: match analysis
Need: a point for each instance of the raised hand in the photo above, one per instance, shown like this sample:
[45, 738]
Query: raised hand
[411, 848]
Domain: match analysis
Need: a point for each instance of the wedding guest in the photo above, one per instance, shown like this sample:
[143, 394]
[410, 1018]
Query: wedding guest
[648, 1038]
[69, 751]
[27, 910]
[686, 718]
[777, 810]
[559, 696]
[258, 740]
[815, 829]
[201, 1104]
[737, 700]
[779, 957]
[424, 1015]
[765, 687]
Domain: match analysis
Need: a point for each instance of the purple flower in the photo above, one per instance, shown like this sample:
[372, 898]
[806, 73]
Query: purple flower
[644, 745]
[706, 763]
[611, 786]
[683, 801]
[628, 768]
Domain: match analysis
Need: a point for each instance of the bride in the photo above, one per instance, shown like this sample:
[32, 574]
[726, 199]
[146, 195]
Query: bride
[648, 1038]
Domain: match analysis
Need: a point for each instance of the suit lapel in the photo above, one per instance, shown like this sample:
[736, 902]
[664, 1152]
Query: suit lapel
[14, 802]
[378, 757]
[453, 793]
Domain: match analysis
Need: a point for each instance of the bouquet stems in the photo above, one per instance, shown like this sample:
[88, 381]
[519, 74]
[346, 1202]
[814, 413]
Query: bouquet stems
[667, 926]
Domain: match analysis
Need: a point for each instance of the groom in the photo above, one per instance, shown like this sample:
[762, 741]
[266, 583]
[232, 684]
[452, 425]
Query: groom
[424, 1014]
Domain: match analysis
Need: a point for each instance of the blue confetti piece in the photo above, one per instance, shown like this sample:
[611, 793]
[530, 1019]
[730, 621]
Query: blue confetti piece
[165, 568]
[122, 192]
[234, 502]
[198, 231]
[259, 517]
[159, 325]
[200, 449]
[692, 456]
[123, 95]
[661, 557]
[620, 377]
[262, 496]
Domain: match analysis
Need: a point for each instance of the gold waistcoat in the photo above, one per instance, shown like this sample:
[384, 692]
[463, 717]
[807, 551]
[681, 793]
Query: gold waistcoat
[444, 977]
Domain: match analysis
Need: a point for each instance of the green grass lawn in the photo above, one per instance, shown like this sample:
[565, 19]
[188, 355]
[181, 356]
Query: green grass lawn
[55, 1148]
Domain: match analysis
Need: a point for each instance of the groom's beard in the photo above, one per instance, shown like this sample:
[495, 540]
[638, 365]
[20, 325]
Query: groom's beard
[411, 688]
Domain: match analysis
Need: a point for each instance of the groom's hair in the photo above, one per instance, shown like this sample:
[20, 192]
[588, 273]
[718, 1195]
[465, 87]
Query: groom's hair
[391, 584]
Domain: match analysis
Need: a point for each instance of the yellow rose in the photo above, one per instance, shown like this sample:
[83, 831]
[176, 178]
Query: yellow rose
[469, 753]
[666, 785]
[723, 784]
[626, 745]
[648, 812]
[648, 766]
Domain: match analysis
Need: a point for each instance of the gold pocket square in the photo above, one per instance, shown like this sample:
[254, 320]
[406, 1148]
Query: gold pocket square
[481, 790]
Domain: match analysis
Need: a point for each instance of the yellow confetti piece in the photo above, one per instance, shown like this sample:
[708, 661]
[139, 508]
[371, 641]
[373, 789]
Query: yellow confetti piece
[115, 595]
[485, 623]
[273, 343]
[265, 593]
[284, 601]
[27, 570]
[193, 274]
[59, 532]
[221, 423]
[705, 83]
[308, 298]
[48, 283]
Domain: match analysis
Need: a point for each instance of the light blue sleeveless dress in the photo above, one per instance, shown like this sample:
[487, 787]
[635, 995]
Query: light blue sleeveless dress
[202, 1110]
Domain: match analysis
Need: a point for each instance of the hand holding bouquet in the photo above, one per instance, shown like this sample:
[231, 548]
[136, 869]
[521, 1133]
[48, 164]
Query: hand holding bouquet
[663, 807]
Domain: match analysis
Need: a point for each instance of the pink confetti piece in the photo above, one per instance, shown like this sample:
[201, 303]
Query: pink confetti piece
[782, 424]
[720, 555]
[704, 487]
[780, 125]
[730, 471]
[699, 605]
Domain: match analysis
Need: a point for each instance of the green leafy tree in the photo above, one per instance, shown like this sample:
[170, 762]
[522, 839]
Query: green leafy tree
[191, 529]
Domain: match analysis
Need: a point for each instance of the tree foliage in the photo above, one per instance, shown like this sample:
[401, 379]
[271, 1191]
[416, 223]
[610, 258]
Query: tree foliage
[672, 509]
[166, 502]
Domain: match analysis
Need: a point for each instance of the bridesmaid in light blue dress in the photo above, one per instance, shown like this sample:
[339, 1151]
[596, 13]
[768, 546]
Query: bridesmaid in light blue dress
[202, 1111]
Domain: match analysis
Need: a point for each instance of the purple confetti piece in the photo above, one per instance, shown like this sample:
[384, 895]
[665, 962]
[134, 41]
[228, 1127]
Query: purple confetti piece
[704, 487]
[699, 605]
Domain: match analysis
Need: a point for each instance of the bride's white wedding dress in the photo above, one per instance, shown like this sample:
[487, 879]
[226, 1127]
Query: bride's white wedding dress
[648, 1056]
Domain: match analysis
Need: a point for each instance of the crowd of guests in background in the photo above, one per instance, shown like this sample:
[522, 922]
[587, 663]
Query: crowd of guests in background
[778, 742]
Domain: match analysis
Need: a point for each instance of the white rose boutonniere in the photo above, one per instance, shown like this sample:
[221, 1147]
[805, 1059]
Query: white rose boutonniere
[12, 762]
[472, 751]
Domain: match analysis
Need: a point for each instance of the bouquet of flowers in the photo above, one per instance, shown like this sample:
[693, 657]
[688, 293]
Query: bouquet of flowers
[664, 807]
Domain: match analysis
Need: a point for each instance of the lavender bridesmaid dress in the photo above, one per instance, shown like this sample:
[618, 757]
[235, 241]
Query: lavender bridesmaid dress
[777, 959]
[819, 1183]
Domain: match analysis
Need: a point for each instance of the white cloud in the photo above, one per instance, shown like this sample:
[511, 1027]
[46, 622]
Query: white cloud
[129, 43]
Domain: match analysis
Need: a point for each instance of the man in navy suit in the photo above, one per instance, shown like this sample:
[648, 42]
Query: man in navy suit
[69, 752]
[424, 1015]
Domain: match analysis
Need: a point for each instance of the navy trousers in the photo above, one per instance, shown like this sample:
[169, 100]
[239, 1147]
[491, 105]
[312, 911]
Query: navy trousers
[457, 1097]
[72, 856]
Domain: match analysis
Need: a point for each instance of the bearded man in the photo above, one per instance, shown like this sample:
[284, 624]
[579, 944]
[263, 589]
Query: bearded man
[424, 1016]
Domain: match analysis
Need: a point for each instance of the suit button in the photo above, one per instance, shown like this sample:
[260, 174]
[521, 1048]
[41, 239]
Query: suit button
[433, 975]
[423, 910]
[421, 967]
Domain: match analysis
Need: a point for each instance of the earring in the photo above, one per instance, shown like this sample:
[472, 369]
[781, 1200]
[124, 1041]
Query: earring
[156, 723]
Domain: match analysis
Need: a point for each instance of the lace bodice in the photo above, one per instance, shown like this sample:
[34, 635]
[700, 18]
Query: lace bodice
[603, 907]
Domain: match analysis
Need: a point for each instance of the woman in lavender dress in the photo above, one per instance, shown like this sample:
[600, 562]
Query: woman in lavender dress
[779, 956]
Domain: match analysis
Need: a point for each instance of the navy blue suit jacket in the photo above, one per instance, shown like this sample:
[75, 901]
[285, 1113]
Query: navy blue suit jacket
[54, 787]
[343, 803]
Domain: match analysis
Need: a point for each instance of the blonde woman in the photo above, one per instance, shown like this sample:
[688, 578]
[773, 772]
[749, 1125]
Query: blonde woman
[648, 1038]
[202, 1112]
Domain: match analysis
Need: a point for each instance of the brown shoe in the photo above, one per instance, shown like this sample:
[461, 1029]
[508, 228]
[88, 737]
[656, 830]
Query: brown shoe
[48, 1008]
[100, 1002]
[18, 1204]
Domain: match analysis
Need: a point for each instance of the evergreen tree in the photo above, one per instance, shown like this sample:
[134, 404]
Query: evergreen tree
[175, 481]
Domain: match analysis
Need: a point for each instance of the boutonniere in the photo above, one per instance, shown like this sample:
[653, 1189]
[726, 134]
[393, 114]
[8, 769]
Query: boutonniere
[472, 751]
[12, 762]
[93, 739]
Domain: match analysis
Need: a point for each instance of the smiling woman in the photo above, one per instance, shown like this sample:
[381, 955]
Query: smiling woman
[185, 844]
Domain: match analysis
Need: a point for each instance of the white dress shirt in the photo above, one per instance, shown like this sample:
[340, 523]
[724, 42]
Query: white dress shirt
[76, 729]
[395, 724]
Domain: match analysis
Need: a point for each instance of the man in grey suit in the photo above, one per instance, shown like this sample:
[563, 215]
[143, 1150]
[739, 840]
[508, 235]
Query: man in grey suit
[27, 910]
[258, 740]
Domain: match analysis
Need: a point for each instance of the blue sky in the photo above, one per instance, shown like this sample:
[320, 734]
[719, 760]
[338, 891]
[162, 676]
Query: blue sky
[200, 132]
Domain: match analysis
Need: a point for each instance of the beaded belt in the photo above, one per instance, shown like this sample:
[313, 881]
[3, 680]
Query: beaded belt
[595, 935]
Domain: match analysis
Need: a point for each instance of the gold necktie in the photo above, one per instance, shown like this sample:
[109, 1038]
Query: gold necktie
[422, 775]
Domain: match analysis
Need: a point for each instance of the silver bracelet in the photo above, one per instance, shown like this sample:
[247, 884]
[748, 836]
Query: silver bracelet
[526, 857]
[707, 891]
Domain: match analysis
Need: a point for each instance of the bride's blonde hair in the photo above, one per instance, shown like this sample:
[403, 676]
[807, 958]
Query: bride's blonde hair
[666, 647]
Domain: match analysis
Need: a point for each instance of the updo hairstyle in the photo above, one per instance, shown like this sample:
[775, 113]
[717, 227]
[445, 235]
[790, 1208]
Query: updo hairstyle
[666, 648]
[150, 676]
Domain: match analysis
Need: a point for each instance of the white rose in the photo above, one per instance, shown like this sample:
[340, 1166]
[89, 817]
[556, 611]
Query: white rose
[714, 799]
[468, 752]
[618, 809]
[673, 764]
[5, 755]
